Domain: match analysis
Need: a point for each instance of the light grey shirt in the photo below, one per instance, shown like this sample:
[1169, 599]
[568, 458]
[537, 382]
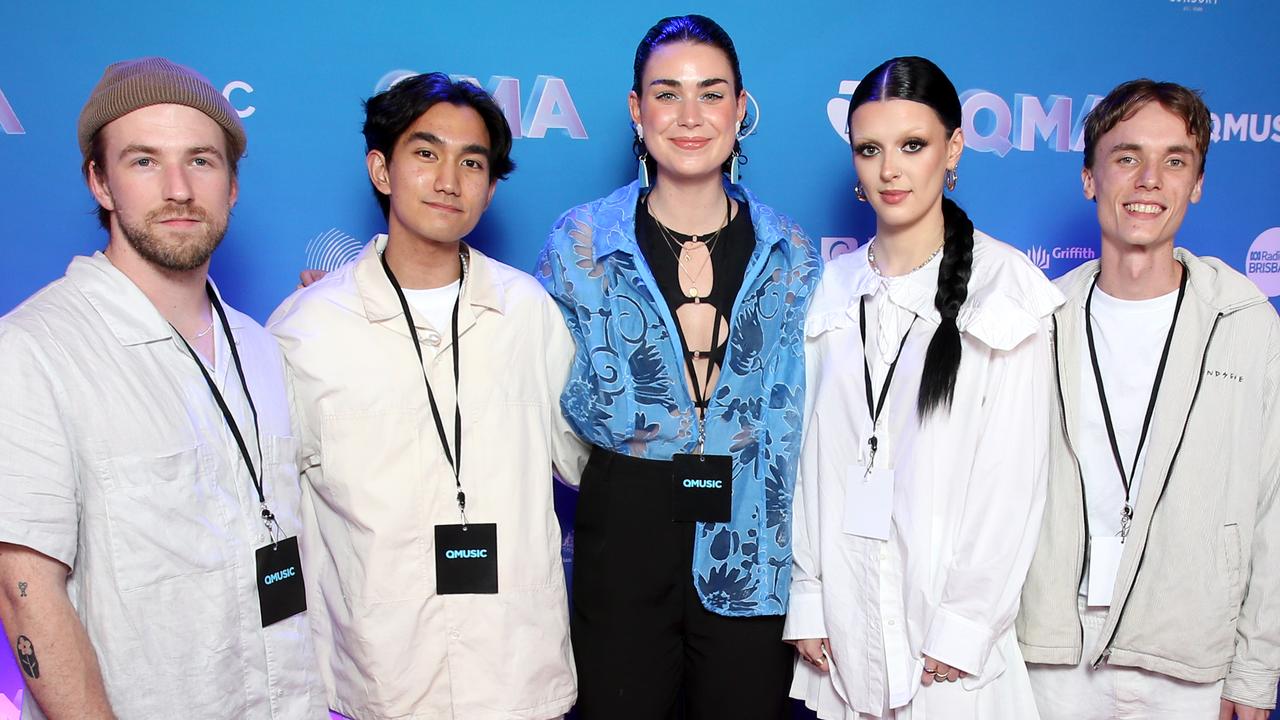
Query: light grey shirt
[115, 460]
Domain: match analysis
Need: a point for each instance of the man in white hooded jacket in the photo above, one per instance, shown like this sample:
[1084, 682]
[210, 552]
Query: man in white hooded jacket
[1153, 592]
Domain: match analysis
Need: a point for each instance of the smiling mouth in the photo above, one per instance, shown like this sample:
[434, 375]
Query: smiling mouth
[690, 143]
[1143, 209]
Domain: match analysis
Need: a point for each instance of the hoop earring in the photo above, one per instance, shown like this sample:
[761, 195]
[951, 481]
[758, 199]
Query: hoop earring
[950, 177]
[733, 168]
[643, 173]
[859, 192]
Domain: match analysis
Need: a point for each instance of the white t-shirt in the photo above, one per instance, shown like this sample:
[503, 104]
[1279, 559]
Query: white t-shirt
[1129, 336]
[435, 305]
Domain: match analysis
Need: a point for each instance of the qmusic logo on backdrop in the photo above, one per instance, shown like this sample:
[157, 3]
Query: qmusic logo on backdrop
[550, 106]
[991, 125]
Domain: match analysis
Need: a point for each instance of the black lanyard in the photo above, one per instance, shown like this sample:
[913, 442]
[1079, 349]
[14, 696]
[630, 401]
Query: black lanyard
[700, 390]
[456, 465]
[874, 407]
[268, 517]
[1126, 479]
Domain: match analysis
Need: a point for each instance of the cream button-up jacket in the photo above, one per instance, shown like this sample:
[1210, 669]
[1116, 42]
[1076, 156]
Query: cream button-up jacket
[375, 482]
[116, 461]
[968, 496]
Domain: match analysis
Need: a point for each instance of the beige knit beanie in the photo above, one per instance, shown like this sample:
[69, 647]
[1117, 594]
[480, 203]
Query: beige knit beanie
[132, 84]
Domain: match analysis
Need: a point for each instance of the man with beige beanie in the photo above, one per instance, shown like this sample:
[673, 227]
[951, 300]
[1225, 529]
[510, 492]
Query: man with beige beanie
[149, 502]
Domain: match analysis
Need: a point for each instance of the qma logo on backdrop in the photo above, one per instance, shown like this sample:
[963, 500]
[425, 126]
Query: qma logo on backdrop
[991, 124]
[1262, 263]
[11, 125]
[550, 106]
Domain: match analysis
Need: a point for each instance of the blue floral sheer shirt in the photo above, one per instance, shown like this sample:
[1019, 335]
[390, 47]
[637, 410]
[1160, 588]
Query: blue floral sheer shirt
[627, 391]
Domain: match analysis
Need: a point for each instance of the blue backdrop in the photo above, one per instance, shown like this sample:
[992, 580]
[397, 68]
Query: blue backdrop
[298, 71]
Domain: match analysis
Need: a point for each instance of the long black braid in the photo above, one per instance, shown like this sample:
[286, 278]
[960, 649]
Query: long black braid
[942, 359]
[919, 80]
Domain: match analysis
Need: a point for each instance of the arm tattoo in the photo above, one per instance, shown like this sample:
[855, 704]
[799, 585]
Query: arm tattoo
[27, 657]
[22, 588]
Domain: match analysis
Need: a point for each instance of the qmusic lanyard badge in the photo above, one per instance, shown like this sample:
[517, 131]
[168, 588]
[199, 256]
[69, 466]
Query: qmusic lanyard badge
[1106, 552]
[281, 590]
[701, 485]
[868, 494]
[466, 554]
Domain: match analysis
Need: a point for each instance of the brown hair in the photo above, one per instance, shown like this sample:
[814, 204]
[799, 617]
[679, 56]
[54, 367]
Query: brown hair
[1129, 97]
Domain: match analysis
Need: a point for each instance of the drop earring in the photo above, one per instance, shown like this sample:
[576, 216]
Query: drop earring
[642, 173]
[859, 192]
[733, 168]
[950, 177]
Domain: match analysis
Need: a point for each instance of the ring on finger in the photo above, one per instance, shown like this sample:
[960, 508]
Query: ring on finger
[939, 678]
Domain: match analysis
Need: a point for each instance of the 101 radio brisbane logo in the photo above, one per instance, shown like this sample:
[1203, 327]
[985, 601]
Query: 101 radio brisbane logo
[1262, 264]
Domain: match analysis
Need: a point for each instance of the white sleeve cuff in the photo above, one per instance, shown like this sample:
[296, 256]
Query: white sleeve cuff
[805, 620]
[958, 642]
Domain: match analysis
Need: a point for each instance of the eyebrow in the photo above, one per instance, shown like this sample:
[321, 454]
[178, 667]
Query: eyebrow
[915, 133]
[1136, 147]
[135, 148]
[668, 82]
[433, 139]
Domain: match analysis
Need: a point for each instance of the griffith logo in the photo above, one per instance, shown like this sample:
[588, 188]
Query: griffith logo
[8, 118]
[1039, 256]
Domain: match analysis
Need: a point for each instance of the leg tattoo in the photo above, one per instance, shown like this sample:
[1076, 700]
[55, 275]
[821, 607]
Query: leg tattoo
[22, 588]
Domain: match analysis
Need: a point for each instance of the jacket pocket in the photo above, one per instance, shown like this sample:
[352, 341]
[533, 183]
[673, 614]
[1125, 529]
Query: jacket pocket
[168, 517]
[1229, 540]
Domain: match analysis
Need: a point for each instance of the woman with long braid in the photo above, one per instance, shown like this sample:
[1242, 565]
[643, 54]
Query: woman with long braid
[922, 474]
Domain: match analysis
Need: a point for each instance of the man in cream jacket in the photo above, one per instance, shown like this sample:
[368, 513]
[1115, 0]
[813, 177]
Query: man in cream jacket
[426, 380]
[1155, 590]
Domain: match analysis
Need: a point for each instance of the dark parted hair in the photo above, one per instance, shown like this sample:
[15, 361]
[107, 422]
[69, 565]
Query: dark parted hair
[698, 29]
[388, 114]
[919, 80]
[1128, 98]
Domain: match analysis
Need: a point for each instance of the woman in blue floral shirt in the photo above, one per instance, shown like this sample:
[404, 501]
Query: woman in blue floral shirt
[686, 298]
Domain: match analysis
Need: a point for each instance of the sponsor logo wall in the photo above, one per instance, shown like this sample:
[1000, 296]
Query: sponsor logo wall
[1028, 72]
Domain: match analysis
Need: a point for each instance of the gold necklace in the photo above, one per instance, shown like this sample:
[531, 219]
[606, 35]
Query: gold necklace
[672, 244]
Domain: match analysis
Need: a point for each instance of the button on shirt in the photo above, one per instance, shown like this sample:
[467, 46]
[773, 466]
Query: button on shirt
[376, 482]
[968, 494]
[115, 460]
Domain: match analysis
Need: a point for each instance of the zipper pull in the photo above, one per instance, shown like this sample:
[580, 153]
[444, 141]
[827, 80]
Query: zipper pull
[1106, 654]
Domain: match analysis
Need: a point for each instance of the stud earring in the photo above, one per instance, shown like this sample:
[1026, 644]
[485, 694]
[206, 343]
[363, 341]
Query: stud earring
[859, 192]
